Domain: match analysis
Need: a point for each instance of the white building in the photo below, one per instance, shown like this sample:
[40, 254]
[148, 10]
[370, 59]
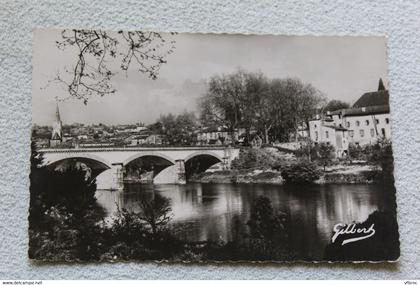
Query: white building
[325, 130]
[364, 123]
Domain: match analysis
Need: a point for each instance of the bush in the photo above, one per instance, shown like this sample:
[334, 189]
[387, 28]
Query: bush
[265, 223]
[358, 152]
[381, 156]
[251, 158]
[127, 227]
[325, 154]
[303, 172]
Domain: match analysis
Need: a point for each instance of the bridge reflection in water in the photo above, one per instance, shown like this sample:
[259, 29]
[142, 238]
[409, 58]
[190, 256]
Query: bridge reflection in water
[211, 211]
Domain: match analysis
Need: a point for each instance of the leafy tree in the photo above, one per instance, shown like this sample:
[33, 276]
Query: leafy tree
[295, 102]
[96, 50]
[178, 130]
[155, 212]
[273, 108]
[225, 101]
[127, 227]
[265, 223]
[325, 154]
[61, 219]
[37, 158]
[356, 151]
[334, 105]
[381, 155]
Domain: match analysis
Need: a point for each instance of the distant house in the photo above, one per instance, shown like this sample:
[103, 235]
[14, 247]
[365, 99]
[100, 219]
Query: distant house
[364, 123]
[301, 134]
[323, 130]
[255, 140]
[146, 139]
[218, 136]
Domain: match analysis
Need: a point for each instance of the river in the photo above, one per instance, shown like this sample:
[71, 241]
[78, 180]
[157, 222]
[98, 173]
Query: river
[203, 212]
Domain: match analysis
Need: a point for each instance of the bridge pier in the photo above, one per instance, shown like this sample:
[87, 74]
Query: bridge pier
[118, 176]
[181, 177]
[226, 163]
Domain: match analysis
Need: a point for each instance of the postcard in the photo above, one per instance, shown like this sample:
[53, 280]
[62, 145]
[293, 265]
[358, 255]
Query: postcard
[181, 147]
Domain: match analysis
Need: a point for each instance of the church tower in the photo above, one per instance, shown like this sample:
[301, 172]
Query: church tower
[57, 133]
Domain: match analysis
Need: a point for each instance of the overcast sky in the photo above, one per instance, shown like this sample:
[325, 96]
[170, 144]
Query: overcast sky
[342, 67]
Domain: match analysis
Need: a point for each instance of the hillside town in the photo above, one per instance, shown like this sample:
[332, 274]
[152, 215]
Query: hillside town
[363, 123]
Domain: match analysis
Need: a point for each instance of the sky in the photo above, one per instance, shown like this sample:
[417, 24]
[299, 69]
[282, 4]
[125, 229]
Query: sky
[342, 68]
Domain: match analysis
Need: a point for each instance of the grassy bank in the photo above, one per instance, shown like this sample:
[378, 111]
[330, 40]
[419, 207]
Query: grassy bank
[340, 174]
[272, 166]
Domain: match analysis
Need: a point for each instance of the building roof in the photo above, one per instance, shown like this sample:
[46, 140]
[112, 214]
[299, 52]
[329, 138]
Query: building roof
[376, 98]
[372, 110]
[363, 111]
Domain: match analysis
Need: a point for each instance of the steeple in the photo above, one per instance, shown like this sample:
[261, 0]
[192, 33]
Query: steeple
[57, 134]
[57, 114]
[381, 86]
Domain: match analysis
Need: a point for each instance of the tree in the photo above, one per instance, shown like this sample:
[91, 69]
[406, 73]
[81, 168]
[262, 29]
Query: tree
[224, 101]
[325, 154]
[294, 103]
[335, 105]
[380, 154]
[96, 50]
[272, 107]
[178, 130]
[155, 212]
[36, 157]
[265, 223]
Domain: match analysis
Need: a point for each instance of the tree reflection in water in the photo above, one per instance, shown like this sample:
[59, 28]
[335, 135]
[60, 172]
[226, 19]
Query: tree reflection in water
[219, 212]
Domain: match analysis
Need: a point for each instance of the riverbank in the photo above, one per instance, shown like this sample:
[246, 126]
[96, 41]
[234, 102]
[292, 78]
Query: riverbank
[338, 174]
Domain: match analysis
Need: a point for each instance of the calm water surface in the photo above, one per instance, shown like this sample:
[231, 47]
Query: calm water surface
[210, 211]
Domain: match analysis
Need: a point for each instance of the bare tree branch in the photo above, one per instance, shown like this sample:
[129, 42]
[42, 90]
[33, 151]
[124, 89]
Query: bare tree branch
[96, 49]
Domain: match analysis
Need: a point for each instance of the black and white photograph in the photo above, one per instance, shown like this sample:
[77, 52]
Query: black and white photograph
[183, 147]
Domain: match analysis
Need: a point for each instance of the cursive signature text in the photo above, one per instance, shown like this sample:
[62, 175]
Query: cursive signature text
[352, 229]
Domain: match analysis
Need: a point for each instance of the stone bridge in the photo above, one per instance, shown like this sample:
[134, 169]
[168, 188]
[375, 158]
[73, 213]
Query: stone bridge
[171, 165]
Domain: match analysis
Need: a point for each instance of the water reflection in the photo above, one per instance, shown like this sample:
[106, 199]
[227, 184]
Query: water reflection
[220, 211]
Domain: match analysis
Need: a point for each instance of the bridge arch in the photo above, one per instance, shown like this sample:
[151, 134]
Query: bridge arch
[96, 165]
[80, 156]
[146, 166]
[200, 161]
[152, 153]
[204, 153]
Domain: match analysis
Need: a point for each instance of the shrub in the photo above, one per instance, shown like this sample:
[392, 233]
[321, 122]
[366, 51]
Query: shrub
[381, 156]
[263, 158]
[265, 223]
[302, 172]
[325, 154]
[155, 213]
[127, 227]
[358, 152]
